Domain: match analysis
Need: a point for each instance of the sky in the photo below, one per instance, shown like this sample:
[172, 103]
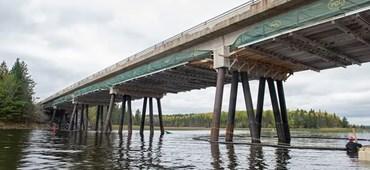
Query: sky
[65, 41]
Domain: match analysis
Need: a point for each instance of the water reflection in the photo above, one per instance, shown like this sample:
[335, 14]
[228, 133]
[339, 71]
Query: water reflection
[282, 158]
[215, 152]
[231, 156]
[256, 160]
[81, 150]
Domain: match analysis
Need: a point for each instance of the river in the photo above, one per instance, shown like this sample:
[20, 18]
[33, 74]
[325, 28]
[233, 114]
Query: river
[40, 149]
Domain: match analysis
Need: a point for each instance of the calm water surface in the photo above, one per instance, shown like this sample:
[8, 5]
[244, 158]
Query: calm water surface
[36, 149]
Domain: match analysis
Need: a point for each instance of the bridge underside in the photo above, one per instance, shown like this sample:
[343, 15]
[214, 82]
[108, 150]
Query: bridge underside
[335, 43]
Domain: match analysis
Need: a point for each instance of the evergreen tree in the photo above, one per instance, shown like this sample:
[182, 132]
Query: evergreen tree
[3, 70]
[16, 90]
[345, 122]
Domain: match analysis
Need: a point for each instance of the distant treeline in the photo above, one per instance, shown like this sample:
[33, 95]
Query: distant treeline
[16, 90]
[297, 119]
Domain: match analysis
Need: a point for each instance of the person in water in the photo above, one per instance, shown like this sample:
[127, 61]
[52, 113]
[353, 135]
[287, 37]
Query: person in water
[352, 146]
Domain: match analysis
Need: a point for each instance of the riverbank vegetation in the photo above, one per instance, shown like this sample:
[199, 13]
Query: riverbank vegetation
[16, 91]
[298, 119]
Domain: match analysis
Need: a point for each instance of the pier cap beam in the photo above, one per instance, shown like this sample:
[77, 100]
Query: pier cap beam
[220, 57]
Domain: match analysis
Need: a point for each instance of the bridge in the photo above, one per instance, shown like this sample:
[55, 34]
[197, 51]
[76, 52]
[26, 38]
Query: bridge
[265, 40]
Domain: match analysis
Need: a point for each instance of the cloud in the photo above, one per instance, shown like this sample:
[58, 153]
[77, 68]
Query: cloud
[63, 42]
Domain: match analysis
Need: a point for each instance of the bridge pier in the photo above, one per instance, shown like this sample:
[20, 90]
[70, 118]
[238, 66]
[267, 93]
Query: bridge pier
[151, 117]
[122, 117]
[143, 117]
[283, 109]
[53, 115]
[86, 117]
[108, 119]
[232, 106]
[260, 100]
[249, 106]
[215, 131]
[72, 118]
[159, 107]
[129, 128]
[82, 112]
[280, 112]
[97, 118]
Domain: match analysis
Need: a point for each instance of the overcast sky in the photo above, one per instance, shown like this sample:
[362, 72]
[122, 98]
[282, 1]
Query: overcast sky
[65, 41]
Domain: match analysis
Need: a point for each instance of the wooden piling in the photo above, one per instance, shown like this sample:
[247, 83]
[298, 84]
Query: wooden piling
[249, 106]
[276, 110]
[283, 110]
[260, 100]
[122, 117]
[232, 107]
[215, 131]
[160, 115]
[143, 116]
[109, 114]
[151, 116]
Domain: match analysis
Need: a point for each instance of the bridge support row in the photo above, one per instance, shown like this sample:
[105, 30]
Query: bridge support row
[255, 120]
[151, 116]
[79, 123]
[126, 101]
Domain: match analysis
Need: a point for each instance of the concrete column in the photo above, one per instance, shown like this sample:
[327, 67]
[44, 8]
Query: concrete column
[108, 118]
[215, 131]
[249, 106]
[276, 110]
[232, 106]
[71, 122]
[260, 100]
[160, 115]
[122, 117]
[143, 117]
[283, 109]
[151, 116]
[129, 128]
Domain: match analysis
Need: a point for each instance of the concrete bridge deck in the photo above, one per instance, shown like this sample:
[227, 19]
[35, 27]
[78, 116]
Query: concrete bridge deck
[266, 39]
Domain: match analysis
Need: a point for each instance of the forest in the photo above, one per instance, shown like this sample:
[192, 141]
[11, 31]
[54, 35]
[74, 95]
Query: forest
[16, 91]
[297, 119]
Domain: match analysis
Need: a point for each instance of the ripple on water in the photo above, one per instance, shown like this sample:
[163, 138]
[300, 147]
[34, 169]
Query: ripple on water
[43, 150]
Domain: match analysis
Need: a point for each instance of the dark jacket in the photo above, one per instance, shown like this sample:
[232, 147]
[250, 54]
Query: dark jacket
[353, 147]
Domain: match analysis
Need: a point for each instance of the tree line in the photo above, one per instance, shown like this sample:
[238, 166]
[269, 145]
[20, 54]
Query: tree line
[16, 91]
[297, 119]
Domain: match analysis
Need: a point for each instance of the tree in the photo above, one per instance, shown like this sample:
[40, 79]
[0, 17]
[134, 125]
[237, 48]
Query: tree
[3, 70]
[345, 122]
[137, 117]
[16, 90]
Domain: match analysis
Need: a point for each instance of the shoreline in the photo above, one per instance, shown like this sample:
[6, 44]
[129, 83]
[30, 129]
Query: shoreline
[23, 126]
[44, 126]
